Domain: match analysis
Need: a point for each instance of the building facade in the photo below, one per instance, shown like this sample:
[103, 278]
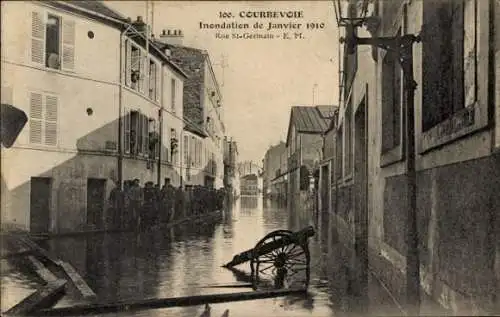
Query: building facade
[456, 111]
[202, 109]
[304, 147]
[249, 185]
[272, 169]
[230, 163]
[93, 121]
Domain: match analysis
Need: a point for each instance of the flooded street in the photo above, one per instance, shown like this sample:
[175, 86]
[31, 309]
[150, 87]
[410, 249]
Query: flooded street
[187, 260]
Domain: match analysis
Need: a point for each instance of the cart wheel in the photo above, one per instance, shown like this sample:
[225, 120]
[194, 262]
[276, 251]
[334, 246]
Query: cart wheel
[285, 267]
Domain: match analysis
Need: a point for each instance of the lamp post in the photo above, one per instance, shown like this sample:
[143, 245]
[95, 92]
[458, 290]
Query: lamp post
[402, 46]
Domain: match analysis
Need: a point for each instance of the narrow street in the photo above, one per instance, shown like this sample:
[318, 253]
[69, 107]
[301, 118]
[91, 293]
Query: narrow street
[187, 261]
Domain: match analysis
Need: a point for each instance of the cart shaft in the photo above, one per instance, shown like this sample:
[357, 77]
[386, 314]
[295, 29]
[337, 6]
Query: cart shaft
[298, 237]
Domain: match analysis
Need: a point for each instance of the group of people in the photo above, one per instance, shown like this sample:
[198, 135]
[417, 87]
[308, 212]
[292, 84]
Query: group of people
[135, 207]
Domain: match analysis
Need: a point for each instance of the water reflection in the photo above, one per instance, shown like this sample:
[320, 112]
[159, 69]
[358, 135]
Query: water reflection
[182, 261]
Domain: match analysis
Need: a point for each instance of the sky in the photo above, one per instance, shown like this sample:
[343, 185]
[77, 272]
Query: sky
[262, 78]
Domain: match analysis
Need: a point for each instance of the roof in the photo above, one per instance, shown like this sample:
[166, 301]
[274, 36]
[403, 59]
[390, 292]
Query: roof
[192, 62]
[310, 119]
[98, 10]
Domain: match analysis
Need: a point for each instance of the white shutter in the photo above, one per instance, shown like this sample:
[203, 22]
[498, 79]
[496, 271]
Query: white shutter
[470, 47]
[36, 118]
[37, 38]
[143, 73]
[145, 135]
[165, 143]
[128, 62]
[158, 81]
[51, 107]
[68, 44]
[126, 131]
[135, 65]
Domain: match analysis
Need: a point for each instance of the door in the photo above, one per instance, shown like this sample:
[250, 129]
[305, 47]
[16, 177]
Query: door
[360, 200]
[96, 195]
[40, 194]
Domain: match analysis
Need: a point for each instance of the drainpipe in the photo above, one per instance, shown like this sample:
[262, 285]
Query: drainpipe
[180, 142]
[160, 128]
[120, 110]
[160, 138]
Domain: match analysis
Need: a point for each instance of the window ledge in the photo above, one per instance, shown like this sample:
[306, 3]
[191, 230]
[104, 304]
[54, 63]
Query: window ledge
[466, 121]
[392, 156]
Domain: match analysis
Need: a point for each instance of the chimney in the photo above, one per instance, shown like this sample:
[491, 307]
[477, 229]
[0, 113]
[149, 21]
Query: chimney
[139, 25]
[171, 36]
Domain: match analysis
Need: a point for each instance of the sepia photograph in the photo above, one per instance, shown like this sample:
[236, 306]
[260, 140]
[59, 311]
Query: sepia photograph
[250, 158]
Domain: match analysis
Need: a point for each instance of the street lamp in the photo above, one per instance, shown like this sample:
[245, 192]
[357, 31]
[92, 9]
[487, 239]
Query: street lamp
[352, 14]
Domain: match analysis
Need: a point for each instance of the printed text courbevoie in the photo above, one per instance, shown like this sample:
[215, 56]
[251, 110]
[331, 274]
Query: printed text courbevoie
[271, 14]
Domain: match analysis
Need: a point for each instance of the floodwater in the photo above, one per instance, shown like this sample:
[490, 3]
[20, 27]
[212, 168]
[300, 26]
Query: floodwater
[187, 260]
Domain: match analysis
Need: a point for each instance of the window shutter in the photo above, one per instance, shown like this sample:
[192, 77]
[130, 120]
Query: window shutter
[158, 81]
[145, 135]
[128, 62]
[192, 144]
[36, 118]
[126, 131]
[165, 148]
[51, 120]
[186, 150]
[68, 44]
[37, 38]
[143, 71]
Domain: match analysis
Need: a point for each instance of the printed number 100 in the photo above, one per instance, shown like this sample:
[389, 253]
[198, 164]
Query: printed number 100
[315, 25]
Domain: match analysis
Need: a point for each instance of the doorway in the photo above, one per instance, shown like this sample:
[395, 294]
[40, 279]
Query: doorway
[360, 198]
[40, 199]
[96, 195]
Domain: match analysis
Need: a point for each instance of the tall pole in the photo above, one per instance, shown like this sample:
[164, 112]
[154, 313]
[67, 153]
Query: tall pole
[412, 257]
[314, 93]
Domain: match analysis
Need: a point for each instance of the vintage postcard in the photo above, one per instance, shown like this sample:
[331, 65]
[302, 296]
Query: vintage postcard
[250, 158]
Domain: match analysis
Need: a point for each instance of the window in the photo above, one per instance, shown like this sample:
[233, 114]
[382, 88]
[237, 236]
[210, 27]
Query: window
[136, 133]
[198, 153]
[174, 154]
[153, 80]
[191, 151]
[172, 94]
[186, 150]
[449, 77]
[153, 140]
[348, 140]
[392, 90]
[51, 37]
[43, 119]
[135, 71]
[169, 153]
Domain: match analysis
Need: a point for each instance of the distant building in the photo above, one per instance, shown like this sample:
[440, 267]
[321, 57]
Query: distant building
[272, 164]
[249, 185]
[304, 145]
[249, 167]
[230, 162]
